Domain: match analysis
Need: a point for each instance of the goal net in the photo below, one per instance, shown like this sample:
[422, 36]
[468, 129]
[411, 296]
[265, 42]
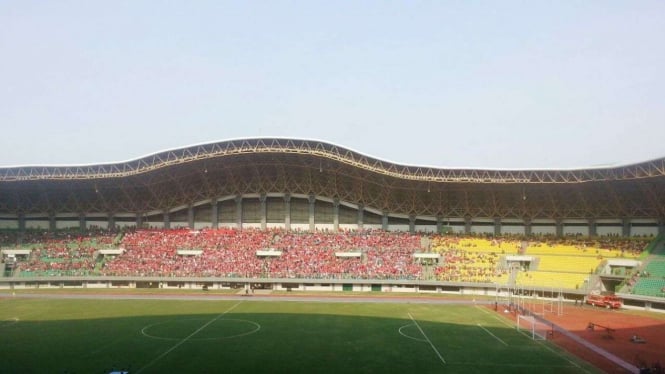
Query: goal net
[533, 328]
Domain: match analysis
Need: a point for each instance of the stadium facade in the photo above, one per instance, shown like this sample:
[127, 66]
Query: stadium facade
[308, 184]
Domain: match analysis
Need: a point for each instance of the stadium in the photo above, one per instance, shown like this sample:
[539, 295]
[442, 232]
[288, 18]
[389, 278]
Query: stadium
[246, 221]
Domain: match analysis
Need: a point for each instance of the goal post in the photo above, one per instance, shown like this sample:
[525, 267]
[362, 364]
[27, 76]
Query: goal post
[532, 327]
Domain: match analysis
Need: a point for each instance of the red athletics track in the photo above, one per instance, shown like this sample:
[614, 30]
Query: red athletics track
[623, 323]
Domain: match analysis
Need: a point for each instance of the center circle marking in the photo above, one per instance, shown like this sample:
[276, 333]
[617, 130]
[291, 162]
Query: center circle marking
[253, 327]
[8, 322]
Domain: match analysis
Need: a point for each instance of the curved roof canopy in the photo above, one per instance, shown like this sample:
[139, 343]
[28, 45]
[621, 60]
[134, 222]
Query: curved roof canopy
[265, 166]
[332, 152]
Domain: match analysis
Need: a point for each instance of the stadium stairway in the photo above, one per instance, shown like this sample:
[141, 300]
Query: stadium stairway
[428, 272]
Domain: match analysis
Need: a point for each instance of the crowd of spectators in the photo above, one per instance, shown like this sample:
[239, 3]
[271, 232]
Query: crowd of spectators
[30, 237]
[465, 266]
[233, 253]
[364, 254]
[612, 246]
[63, 254]
[462, 260]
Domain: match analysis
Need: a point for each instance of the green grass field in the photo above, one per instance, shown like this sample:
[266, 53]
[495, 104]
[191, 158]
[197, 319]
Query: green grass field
[248, 336]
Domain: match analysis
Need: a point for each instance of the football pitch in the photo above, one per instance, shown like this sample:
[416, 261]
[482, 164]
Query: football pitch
[250, 336]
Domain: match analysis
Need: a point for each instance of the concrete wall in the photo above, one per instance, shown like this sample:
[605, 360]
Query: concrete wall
[426, 228]
[513, 230]
[40, 225]
[8, 224]
[478, 229]
[543, 230]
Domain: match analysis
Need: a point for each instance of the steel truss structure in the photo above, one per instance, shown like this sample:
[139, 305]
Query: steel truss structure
[187, 176]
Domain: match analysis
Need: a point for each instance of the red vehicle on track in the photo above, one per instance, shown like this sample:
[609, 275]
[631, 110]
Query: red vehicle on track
[607, 301]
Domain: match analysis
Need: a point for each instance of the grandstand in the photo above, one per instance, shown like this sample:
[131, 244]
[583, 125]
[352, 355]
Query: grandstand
[330, 213]
[649, 279]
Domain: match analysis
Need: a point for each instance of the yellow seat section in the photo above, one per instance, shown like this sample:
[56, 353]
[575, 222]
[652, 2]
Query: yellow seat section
[578, 264]
[551, 279]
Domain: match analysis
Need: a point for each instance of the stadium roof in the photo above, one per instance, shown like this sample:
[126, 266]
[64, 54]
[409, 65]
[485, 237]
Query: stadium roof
[262, 166]
[316, 148]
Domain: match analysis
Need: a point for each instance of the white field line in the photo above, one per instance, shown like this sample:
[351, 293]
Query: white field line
[494, 336]
[408, 336]
[185, 339]
[427, 339]
[541, 343]
[495, 317]
[535, 366]
[562, 356]
[8, 322]
[104, 347]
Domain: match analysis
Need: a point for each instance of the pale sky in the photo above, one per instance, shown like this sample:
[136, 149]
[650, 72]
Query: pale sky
[552, 84]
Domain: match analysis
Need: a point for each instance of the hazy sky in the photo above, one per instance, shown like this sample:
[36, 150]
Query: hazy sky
[497, 84]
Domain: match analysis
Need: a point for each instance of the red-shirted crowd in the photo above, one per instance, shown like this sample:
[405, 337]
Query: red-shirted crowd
[233, 253]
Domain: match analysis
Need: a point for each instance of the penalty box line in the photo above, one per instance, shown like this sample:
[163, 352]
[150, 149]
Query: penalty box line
[541, 343]
[494, 336]
[427, 339]
[185, 339]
